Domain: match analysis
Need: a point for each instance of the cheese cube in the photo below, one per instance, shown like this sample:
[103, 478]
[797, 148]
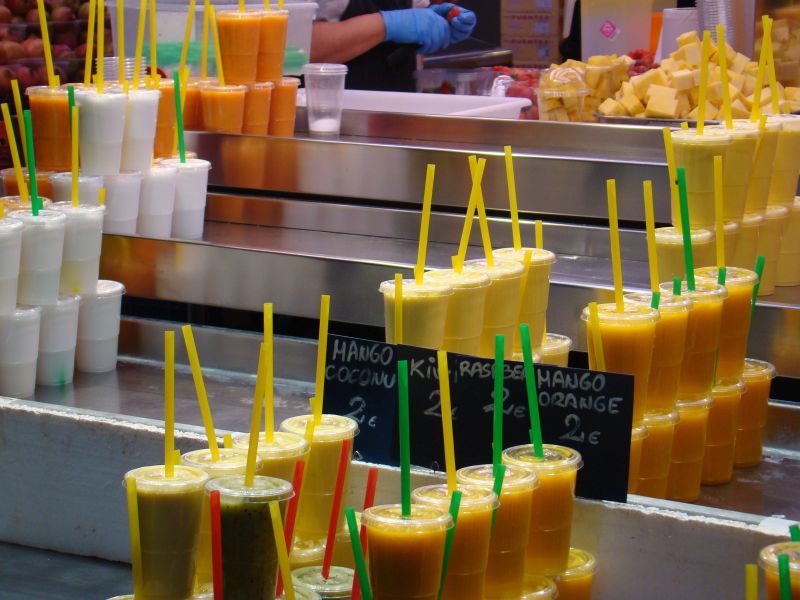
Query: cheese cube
[749, 85]
[738, 63]
[738, 110]
[780, 30]
[612, 108]
[632, 105]
[692, 53]
[714, 74]
[661, 90]
[661, 77]
[736, 79]
[669, 65]
[601, 61]
[662, 107]
[711, 112]
[689, 37]
[641, 82]
[627, 88]
[792, 51]
[684, 105]
[694, 95]
[683, 79]
[792, 93]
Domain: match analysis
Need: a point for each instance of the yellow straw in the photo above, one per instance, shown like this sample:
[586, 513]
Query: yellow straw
[477, 177]
[12, 144]
[322, 355]
[719, 202]
[597, 342]
[701, 106]
[267, 5]
[755, 111]
[227, 440]
[512, 199]
[398, 308]
[133, 527]
[310, 425]
[538, 233]
[650, 221]
[671, 170]
[187, 35]
[101, 196]
[723, 67]
[255, 418]
[616, 254]
[169, 403]
[283, 556]
[200, 387]
[280, 4]
[751, 582]
[137, 61]
[217, 55]
[48, 54]
[773, 81]
[204, 47]
[482, 220]
[87, 63]
[121, 41]
[447, 421]
[684, 125]
[419, 270]
[241, 5]
[75, 156]
[523, 284]
[269, 400]
[101, 40]
[153, 39]
[20, 118]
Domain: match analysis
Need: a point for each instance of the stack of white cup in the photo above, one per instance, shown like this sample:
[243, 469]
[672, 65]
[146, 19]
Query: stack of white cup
[98, 328]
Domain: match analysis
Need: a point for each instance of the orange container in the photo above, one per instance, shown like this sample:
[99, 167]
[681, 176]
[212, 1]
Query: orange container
[271, 45]
[576, 582]
[637, 439]
[223, 107]
[757, 378]
[192, 106]
[166, 122]
[51, 127]
[239, 34]
[256, 108]
[283, 107]
[656, 452]
[768, 560]
[43, 186]
[688, 449]
[721, 436]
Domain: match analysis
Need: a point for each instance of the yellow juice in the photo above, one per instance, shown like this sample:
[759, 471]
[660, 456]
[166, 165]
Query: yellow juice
[732, 229]
[788, 269]
[656, 453]
[768, 561]
[424, 312]
[576, 582]
[688, 448]
[721, 435]
[552, 506]
[744, 254]
[638, 434]
[279, 458]
[738, 166]
[761, 177]
[306, 553]
[464, 323]
[757, 377]
[669, 251]
[786, 168]
[555, 350]
[769, 245]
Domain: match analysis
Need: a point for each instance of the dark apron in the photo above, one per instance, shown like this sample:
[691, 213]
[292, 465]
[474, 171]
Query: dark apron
[388, 66]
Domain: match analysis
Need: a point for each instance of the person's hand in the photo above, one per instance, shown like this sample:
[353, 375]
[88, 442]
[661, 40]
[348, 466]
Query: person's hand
[461, 24]
[421, 26]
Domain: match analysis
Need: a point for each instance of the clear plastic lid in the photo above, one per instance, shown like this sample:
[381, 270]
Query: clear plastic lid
[24, 313]
[9, 226]
[704, 291]
[789, 122]
[768, 557]
[412, 289]
[757, 369]
[727, 387]
[81, 178]
[666, 304]
[661, 418]
[639, 432]
[562, 82]
[734, 276]
[632, 314]
[288, 82]
[740, 130]
[539, 587]
[673, 236]
[154, 479]
[752, 220]
[579, 564]
[108, 289]
[330, 428]
[123, 175]
[690, 405]
[539, 256]
[232, 461]
[191, 164]
[339, 583]
[324, 69]
[556, 458]
[284, 445]
[516, 479]
[715, 137]
[776, 212]
[731, 227]
[264, 489]
[80, 210]
[301, 592]
[159, 169]
[502, 269]
[260, 85]
[424, 518]
[468, 279]
[306, 551]
[225, 89]
[241, 15]
[555, 342]
[473, 498]
[46, 219]
[46, 90]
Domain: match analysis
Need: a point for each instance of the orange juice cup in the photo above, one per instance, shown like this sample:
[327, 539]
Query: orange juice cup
[424, 312]
[539, 587]
[279, 458]
[552, 507]
[284, 107]
[576, 582]
[405, 553]
[166, 121]
[256, 108]
[768, 561]
[239, 34]
[555, 350]
[721, 435]
[656, 453]
[192, 106]
[469, 554]
[757, 377]
[786, 168]
[628, 340]
[638, 434]
[788, 270]
[738, 165]
[271, 45]
[462, 330]
[43, 185]
[688, 449]
[505, 572]
[223, 107]
[51, 127]
[669, 251]
[769, 245]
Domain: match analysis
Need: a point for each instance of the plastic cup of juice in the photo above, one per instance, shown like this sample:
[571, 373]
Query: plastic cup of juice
[188, 216]
[339, 583]
[58, 334]
[102, 128]
[638, 434]
[769, 245]
[257, 102]
[223, 107]
[249, 553]
[628, 340]
[702, 338]
[157, 201]
[732, 229]
[669, 251]
[192, 107]
[41, 255]
[283, 107]
[10, 250]
[343, 548]
[19, 347]
[169, 522]
[424, 312]
[50, 119]
[761, 175]
[535, 295]
[688, 449]
[239, 33]
[279, 458]
[555, 349]
[98, 328]
[306, 553]
[271, 45]
[88, 188]
[745, 252]
[575, 583]
[665, 369]
[324, 85]
[123, 191]
[696, 153]
[786, 168]
[319, 480]
[788, 269]
[502, 304]
[738, 165]
[405, 553]
[464, 321]
[505, 571]
[43, 186]
[539, 587]
[141, 115]
[553, 504]
[166, 121]
[752, 419]
[768, 561]
[721, 436]
[656, 453]
[83, 239]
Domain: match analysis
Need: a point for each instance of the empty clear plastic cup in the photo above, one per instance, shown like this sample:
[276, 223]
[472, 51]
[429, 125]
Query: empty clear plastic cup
[58, 334]
[324, 97]
[122, 202]
[19, 347]
[102, 125]
[157, 201]
[188, 217]
[83, 239]
[10, 249]
[141, 114]
[40, 259]
[88, 188]
[98, 328]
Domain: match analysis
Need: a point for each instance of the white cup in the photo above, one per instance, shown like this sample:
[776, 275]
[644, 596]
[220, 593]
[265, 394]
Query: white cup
[98, 328]
[122, 202]
[102, 124]
[324, 97]
[157, 201]
[19, 346]
[58, 334]
[83, 239]
[10, 249]
[88, 188]
[141, 113]
[40, 259]
[190, 197]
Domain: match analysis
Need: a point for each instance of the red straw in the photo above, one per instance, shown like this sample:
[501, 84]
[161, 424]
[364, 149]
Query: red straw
[216, 545]
[291, 514]
[369, 501]
[344, 458]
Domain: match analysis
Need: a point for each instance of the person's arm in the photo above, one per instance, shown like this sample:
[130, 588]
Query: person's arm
[343, 41]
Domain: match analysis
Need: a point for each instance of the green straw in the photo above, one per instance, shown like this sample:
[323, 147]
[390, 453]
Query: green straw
[676, 286]
[722, 275]
[70, 100]
[530, 386]
[499, 477]
[358, 554]
[794, 532]
[405, 438]
[36, 202]
[759, 273]
[686, 227]
[655, 300]
[455, 504]
[784, 577]
[176, 79]
[499, 369]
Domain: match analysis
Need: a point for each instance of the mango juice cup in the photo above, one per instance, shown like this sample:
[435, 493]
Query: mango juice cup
[575, 583]
[788, 270]
[424, 312]
[279, 458]
[256, 108]
[738, 166]
[757, 377]
[656, 453]
[505, 571]
[665, 369]
[44, 188]
[696, 153]
[306, 553]
[628, 339]
[169, 522]
[688, 449]
[746, 249]
[51, 127]
[721, 435]
[166, 121]
[319, 480]
[761, 176]
[768, 561]
[239, 34]
[464, 323]
[192, 107]
[555, 349]
[638, 434]
[552, 506]
[786, 168]
[502, 304]
[283, 108]
[769, 245]
[405, 553]
[669, 251]
[271, 45]
[223, 107]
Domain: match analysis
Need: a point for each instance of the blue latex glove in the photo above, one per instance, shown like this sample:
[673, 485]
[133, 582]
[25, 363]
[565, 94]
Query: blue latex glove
[421, 26]
[461, 26]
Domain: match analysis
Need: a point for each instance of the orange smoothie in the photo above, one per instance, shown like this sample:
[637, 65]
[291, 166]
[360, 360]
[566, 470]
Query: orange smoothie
[271, 45]
[284, 107]
[166, 121]
[506, 569]
[763, 165]
[745, 251]
[239, 34]
[738, 165]
[576, 582]
[223, 107]
[638, 434]
[770, 237]
[656, 452]
[256, 108]
[424, 312]
[552, 507]
[669, 251]
[279, 458]
[721, 436]
[44, 188]
[192, 107]
[688, 448]
[462, 330]
[555, 350]
[405, 553]
[768, 561]
[51, 127]
[628, 339]
[757, 377]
